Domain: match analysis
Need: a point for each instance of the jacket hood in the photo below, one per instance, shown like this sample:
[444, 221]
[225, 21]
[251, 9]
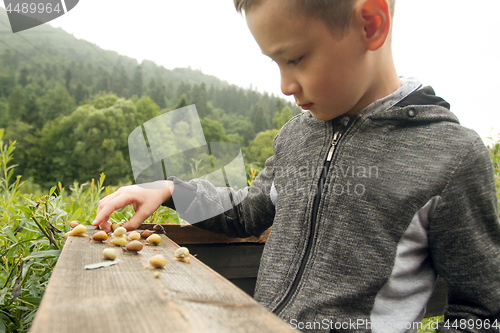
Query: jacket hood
[420, 106]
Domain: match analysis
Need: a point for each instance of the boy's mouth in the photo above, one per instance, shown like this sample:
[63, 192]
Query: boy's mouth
[305, 106]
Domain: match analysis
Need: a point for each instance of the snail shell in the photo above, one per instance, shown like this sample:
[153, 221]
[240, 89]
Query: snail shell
[154, 239]
[100, 236]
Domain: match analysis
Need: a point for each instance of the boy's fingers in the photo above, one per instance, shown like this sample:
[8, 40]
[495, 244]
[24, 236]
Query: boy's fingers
[105, 226]
[110, 207]
[136, 220]
[105, 200]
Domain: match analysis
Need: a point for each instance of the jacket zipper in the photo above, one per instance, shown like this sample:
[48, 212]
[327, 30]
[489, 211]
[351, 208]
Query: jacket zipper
[317, 198]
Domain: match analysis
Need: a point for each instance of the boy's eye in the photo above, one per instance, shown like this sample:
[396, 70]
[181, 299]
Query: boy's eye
[294, 61]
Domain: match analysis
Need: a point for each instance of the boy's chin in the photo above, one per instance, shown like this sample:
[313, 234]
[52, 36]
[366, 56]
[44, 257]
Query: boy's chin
[324, 116]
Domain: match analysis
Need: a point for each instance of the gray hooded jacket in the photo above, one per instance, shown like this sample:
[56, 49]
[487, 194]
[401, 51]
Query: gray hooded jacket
[364, 213]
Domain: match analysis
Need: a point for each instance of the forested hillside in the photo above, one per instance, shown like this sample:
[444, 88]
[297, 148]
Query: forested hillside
[71, 106]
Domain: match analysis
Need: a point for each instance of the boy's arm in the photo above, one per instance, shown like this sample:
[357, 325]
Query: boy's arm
[464, 240]
[243, 213]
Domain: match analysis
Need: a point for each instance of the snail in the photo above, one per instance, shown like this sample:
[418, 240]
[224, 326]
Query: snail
[157, 261]
[73, 224]
[109, 253]
[115, 225]
[79, 230]
[134, 246]
[146, 233]
[154, 239]
[182, 254]
[118, 241]
[99, 236]
[120, 231]
[158, 229]
[134, 235]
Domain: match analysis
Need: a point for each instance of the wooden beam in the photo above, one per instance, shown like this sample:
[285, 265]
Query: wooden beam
[188, 234]
[127, 297]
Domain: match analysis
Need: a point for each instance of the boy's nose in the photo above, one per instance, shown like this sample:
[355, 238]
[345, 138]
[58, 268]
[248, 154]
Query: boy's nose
[289, 86]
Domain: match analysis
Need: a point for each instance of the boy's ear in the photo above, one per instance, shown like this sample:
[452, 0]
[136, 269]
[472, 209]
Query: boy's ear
[377, 22]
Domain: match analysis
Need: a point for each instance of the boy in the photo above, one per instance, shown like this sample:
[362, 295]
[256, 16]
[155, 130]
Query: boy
[371, 193]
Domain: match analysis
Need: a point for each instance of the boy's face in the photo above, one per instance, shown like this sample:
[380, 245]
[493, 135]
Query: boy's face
[325, 74]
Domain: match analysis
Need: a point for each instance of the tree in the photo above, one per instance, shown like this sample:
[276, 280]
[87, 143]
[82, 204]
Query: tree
[182, 102]
[86, 142]
[103, 84]
[137, 82]
[67, 78]
[57, 101]
[104, 100]
[261, 148]
[146, 109]
[156, 93]
[22, 133]
[23, 77]
[32, 111]
[4, 114]
[81, 93]
[238, 125]
[121, 83]
[282, 117]
[184, 89]
[7, 84]
[160, 97]
[16, 103]
[169, 93]
[10, 60]
[214, 131]
[260, 120]
[200, 99]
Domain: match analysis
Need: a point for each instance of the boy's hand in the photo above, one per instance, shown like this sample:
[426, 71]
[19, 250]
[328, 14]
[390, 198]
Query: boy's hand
[146, 198]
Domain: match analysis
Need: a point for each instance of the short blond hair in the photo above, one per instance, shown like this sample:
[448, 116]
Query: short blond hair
[335, 13]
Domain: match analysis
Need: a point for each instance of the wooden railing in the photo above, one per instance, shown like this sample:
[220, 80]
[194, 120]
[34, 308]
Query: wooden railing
[185, 298]
[237, 259]
[127, 297]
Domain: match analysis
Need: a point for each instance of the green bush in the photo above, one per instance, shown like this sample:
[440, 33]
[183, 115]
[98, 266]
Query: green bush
[495, 158]
[32, 235]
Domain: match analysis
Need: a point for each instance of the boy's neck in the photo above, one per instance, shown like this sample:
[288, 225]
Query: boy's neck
[383, 80]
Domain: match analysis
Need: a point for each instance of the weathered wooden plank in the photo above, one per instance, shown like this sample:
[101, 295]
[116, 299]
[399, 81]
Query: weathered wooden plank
[187, 234]
[127, 298]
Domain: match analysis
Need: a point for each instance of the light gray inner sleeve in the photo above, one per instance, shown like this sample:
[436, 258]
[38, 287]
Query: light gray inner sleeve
[273, 194]
[400, 304]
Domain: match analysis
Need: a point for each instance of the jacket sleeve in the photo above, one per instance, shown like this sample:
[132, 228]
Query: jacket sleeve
[243, 213]
[464, 240]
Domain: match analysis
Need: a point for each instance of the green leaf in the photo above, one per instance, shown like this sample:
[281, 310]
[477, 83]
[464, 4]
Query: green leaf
[59, 212]
[48, 253]
[31, 300]
[3, 329]
[76, 214]
[3, 292]
[6, 230]
[52, 190]
[24, 209]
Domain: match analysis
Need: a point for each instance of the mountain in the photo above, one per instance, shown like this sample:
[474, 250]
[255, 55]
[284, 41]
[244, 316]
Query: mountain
[45, 45]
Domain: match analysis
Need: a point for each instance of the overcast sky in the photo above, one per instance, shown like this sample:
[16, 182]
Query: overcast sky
[449, 44]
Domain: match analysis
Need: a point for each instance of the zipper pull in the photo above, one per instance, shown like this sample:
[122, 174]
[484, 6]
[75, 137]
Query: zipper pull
[344, 121]
[336, 138]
